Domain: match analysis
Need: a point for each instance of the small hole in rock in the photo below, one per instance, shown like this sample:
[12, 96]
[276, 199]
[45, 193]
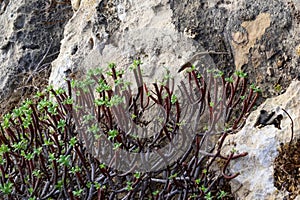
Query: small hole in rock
[74, 50]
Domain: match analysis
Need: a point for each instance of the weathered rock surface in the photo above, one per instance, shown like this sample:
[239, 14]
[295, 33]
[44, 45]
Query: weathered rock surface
[30, 35]
[274, 48]
[120, 33]
[260, 37]
[256, 180]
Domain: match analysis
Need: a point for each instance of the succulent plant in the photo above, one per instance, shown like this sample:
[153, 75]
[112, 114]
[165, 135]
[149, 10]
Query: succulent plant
[50, 145]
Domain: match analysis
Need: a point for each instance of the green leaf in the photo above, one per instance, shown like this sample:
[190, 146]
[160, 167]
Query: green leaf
[222, 194]
[6, 120]
[2, 160]
[48, 142]
[6, 188]
[26, 122]
[137, 175]
[38, 94]
[68, 101]
[64, 160]
[116, 145]
[208, 196]
[101, 102]
[111, 65]
[218, 73]
[95, 72]
[61, 124]
[173, 99]
[43, 103]
[28, 102]
[129, 186]
[241, 74]
[78, 192]
[102, 166]
[103, 86]
[59, 184]
[192, 68]
[133, 116]
[37, 173]
[27, 156]
[75, 169]
[60, 91]
[52, 108]
[97, 185]
[89, 185]
[255, 89]
[50, 87]
[37, 151]
[135, 64]
[173, 176]
[17, 112]
[112, 134]
[203, 188]
[51, 157]
[73, 141]
[4, 149]
[20, 145]
[229, 79]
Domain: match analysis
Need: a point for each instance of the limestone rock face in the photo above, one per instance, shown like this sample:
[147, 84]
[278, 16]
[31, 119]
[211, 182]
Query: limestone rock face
[100, 33]
[256, 180]
[259, 37]
[270, 43]
[30, 34]
[75, 4]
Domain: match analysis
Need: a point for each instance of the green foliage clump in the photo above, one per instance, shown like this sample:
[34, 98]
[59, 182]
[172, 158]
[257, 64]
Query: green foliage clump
[45, 143]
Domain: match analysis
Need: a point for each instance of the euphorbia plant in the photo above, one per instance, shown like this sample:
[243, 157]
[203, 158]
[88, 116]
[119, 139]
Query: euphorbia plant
[50, 145]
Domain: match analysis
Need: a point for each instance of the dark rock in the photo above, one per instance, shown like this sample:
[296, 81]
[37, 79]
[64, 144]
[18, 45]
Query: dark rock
[214, 25]
[30, 34]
